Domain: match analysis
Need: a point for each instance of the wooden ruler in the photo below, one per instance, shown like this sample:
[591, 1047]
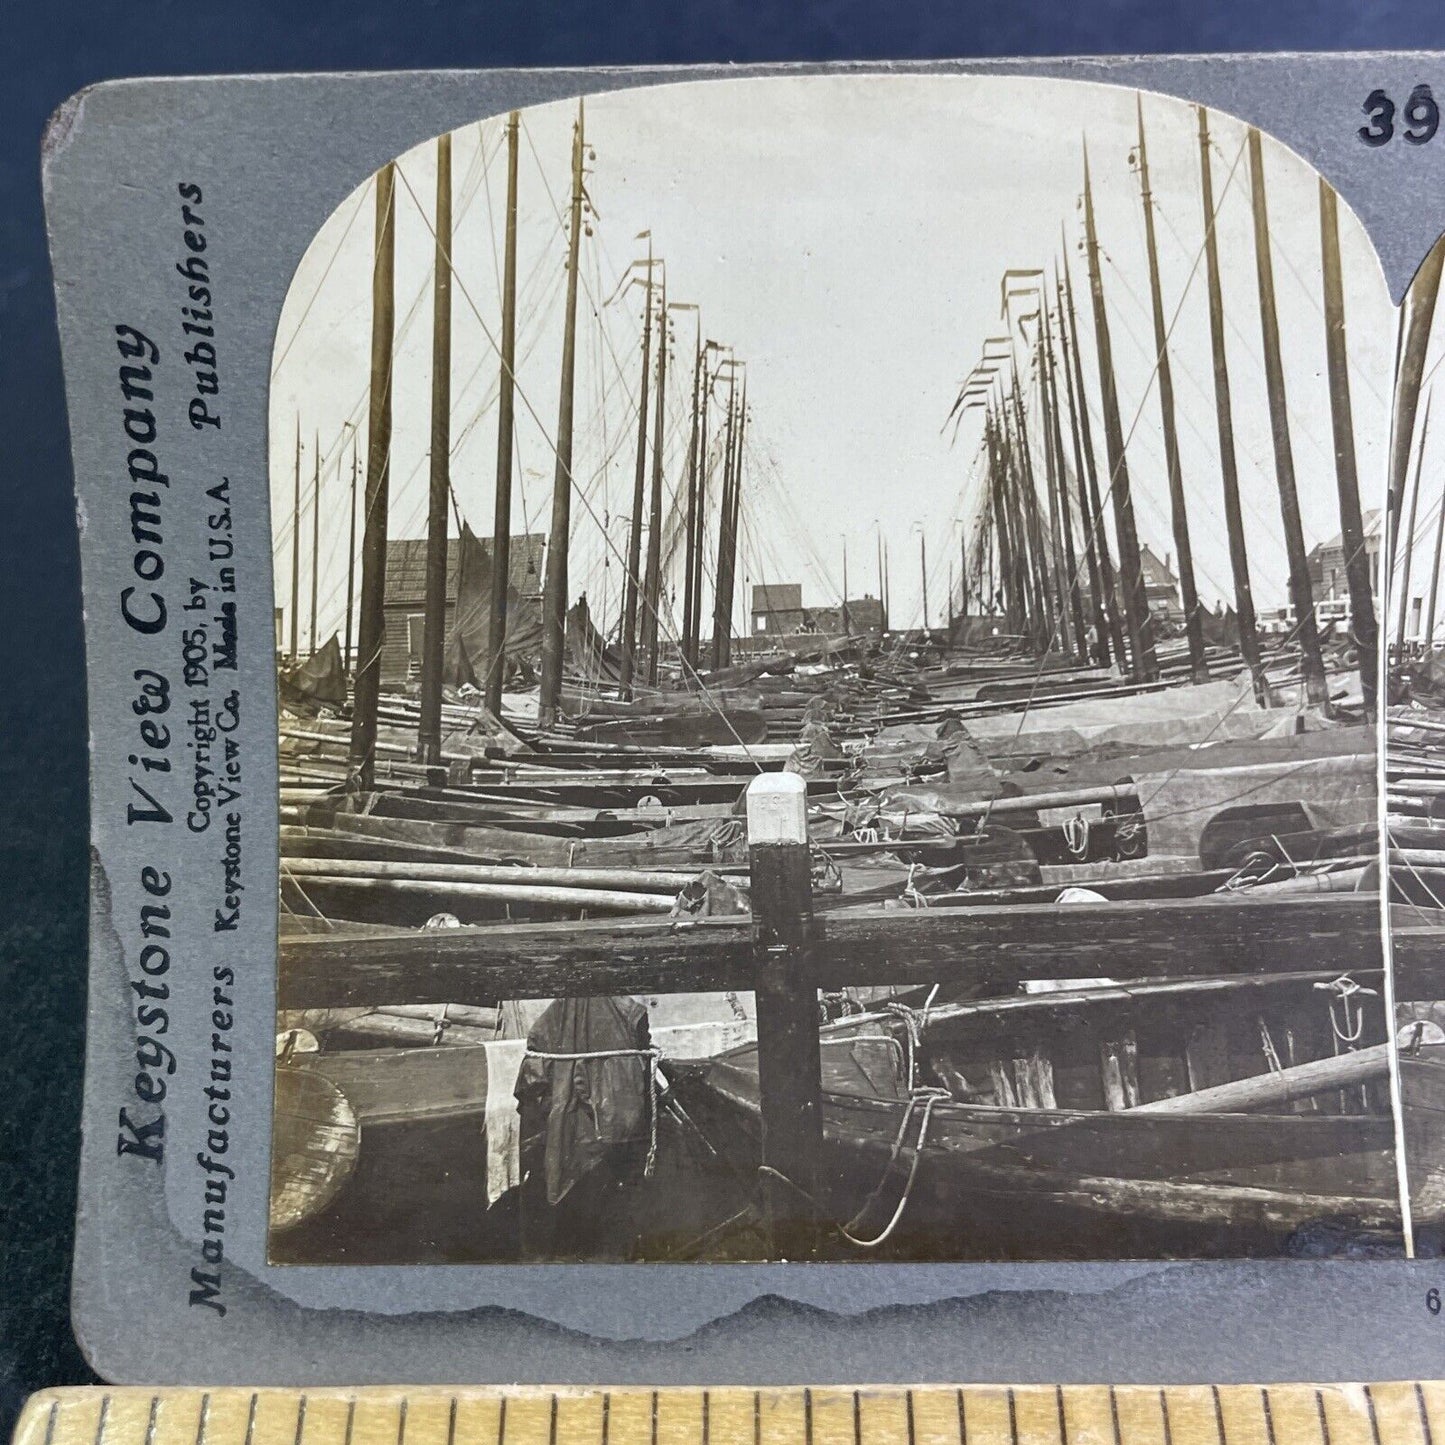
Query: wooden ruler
[1401, 1413]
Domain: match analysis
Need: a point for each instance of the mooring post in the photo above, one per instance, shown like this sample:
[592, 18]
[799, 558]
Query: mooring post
[789, 1078]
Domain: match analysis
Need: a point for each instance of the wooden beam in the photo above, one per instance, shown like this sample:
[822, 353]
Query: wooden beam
[986, 950]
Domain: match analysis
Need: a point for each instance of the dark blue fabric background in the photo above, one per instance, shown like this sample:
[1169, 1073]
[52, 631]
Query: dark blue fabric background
[51, 49]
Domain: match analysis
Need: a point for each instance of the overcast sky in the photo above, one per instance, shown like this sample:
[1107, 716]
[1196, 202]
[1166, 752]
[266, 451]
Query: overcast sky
[846, 236]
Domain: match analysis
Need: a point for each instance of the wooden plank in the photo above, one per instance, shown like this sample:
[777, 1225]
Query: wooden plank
[986, 950]
[1283, 1087]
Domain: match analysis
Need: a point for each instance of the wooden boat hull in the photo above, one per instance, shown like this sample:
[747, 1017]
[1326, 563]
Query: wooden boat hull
[1042, 1150]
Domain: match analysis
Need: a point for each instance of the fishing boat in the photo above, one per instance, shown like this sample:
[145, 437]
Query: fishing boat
[1216, 1115]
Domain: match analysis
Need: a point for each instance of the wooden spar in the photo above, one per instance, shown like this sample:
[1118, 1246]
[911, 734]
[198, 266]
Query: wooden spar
[1032, 534]
[554, 591]
[735, 524]
[652, 590]
[1416, 318]
[498, 892]
[724, 511]
[1058, 598]
[506, 460]
[371, 624]
[296, 554]
[1408, 544]
[1427, 637]
[997, 948]
[880, 580]
[1179, 514]
[346, 660]
[887, 615]
[789, 1064]
[1096, 532]
[1102, 650]
[632, 880]
[727, 531]
[1015, 606]
[1143, 662]
[1281, 1086]
[1224, 415]
[1301, 591]
[690, 552]
[434, 604]
[694, 637]
[315, 531]
[845, 587]
[632, 576]
[923, 574]
[1352, 530]
[1066, 522]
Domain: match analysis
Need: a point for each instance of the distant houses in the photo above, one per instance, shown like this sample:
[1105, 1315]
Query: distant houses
[777, 611]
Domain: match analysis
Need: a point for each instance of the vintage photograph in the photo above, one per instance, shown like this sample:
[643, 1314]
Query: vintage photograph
[1415, 753]
[827, 644]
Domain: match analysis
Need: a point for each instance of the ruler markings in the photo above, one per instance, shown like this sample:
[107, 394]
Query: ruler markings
[1388, 1413]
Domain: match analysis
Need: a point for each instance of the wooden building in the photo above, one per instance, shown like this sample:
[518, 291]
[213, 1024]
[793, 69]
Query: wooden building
[406, 594]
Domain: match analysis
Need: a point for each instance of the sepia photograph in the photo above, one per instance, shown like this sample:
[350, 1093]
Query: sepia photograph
[827, 638]
[1415, 753]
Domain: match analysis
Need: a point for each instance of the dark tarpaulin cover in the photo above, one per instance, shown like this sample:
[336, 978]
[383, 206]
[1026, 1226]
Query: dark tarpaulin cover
[588, 654]
[320, 681]
[585, 1106]
[468, 646]
[1221, 629]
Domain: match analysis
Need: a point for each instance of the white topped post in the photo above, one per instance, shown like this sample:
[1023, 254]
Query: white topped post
[789, 1069]
[777, 809]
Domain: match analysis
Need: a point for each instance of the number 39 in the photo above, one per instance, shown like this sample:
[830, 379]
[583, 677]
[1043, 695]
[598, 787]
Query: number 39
[1422, 117]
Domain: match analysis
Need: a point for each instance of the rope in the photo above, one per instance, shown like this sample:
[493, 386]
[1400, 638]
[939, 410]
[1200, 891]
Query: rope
[928, 1096]
[652, 1054]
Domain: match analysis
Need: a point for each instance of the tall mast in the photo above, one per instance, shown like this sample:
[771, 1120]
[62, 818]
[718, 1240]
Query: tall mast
[1407, 540]
[1224, 413]
[690, 554]
[1066, 524]
[1189, 595]
[1416, 318]
[315, 529]
[881, 605]
[1059, 597]
[1312, 663]
[1352, 529]
[372, 621]
[351, 558]
[1015, 600]
[734, 524]
[1143, 663]
[506, 394]
[1027, 486]
[694, 639]
[887, 613]
[963, 572]
[1429, 633]
[434, 613]
[653, 589]
[554, 591]
[296, 553]
[1096, 530]
[923, 574]
[719, 604]
[845, 587]
[639, 498]
[1096, 594]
